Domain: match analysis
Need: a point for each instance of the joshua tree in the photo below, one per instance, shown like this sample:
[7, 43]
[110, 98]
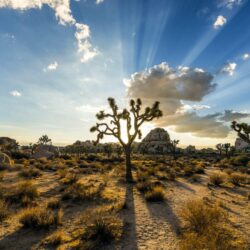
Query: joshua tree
[133, 118]
[44, 140]
[173, 145]
[243, 130]
[219, 148]
[226, 147]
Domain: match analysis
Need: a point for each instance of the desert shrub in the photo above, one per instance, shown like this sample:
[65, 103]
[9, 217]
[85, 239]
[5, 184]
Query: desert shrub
[2, 176]
[56, 238]
[19, 155]
[24, 192]
[207, 227]
[155, 194]
[100, 229]
[30, 173]
[3, 210]
[70, 178]
[188, 171]
[172, 175]
[195, 178]
[38, 217]
[199, 216]
[228, 171]
[237, 179]
[240, 160]
[142, 176]
[143, 186]
[66, 157]
[79, 191]
[217, 179]
[54, 203]
[3, 166]
[199, 170]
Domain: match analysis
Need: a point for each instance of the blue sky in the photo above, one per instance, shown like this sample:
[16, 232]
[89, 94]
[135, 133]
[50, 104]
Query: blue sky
[60, 60]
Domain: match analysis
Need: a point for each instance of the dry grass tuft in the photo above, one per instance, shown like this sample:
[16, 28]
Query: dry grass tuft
[100, 229]
[30, 173]
[4, 211]
[37, 217]
[217, 179]
[207, 227]
[24, 193]
[155, 194]
[56, 238]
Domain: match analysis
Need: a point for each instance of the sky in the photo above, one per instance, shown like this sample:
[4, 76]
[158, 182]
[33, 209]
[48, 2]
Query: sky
[61, 59]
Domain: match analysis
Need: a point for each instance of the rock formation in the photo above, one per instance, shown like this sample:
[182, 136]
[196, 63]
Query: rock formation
[46, 151]
[156, 142]
[5, 159]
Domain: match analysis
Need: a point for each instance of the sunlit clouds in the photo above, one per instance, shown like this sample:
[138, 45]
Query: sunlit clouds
[15, 93]
[219, 22]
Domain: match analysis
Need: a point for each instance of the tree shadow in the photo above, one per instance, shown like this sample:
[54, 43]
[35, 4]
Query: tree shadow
[129, 236]
[162, 211]
[23, 239]
[184, 186]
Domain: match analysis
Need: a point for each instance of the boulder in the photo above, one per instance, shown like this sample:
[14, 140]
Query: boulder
[157, 141]
[46, 151]
[5, 159]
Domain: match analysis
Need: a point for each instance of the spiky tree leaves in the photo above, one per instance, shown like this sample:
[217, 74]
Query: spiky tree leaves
[242, 129]
[134, 118]
[45, 140]
[219, 148]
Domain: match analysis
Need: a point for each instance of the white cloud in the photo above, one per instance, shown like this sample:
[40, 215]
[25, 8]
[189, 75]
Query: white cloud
[61, 7]
[64, 16]
[99, 1]
[15, 93]
[245, 56]
[229, 68]
[50, 67]
[219, 22]
[230, 4]
[86, 49]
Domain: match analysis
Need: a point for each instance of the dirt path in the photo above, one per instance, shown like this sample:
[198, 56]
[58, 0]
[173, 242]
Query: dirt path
[150, 225]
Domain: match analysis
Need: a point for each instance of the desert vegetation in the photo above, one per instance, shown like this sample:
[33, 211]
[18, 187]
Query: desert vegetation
[79, 197]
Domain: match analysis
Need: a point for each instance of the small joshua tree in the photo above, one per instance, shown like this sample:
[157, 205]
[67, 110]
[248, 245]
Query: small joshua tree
[219, 148]
[133, 118]
[173, 146]
[226, 147]
[243, 130]
[44, 140]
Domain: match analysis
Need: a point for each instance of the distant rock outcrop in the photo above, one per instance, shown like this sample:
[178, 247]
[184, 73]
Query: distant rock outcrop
[241, 145]
[156, 142]
[5, 159]
[46, 151]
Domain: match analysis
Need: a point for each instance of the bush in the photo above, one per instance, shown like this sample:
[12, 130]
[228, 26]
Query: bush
[54, 203]
[156, 194]
[199, 216]
[217, 179]
[144, 186]
[240, 160]
[100, 229]
[56, 238]
[237, 178]
[207, 227]
[70, 178]
[199, 170]
[172, 175]
[188, 171]
[37, 217]
[3, 210]
[24, 192]
[30, 173]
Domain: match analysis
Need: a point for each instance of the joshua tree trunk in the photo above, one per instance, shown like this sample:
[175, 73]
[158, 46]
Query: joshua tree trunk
[127, 150]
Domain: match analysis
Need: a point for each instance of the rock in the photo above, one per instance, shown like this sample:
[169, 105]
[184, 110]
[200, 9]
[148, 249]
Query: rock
[156, 142]
[46, 151]
[5, 159]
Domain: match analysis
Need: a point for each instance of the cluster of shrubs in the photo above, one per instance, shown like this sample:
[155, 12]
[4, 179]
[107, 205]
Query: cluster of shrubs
[207, 227]
[101, 228]
[235, 178]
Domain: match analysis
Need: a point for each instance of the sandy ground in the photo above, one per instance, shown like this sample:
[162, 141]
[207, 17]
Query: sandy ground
[153, 226]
